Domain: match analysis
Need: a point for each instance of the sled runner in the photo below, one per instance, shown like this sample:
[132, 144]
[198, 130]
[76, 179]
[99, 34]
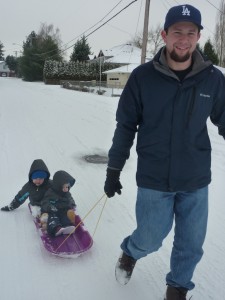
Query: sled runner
[71, 245]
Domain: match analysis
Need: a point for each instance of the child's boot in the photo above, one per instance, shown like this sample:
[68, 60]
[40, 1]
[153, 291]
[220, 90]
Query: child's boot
[43, 220]
[71, 215]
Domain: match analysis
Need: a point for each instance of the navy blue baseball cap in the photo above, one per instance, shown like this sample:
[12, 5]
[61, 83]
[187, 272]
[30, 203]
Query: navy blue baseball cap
[183, 13]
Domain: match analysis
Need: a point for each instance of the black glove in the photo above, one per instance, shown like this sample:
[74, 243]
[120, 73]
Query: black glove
[112, 183]
[13, 205]
[6, 208]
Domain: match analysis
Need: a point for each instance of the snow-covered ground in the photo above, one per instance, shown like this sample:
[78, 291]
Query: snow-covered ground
[61, 127]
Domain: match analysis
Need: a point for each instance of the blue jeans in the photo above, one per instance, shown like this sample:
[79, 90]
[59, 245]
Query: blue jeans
[155, 212]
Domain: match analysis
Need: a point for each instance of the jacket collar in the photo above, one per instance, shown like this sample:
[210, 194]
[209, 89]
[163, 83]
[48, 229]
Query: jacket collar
[199, 63]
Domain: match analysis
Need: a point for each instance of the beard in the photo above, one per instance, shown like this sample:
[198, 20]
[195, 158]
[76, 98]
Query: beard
[177, 58]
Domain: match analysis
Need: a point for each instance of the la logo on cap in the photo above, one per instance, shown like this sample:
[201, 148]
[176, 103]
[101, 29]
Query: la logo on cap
[186, 11]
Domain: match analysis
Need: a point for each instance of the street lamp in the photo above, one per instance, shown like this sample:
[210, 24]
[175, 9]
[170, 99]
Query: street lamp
[101, 61]
[17, 44]
[16, 50]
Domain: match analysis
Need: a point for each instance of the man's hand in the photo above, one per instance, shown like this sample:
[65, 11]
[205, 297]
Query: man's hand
[112, 183]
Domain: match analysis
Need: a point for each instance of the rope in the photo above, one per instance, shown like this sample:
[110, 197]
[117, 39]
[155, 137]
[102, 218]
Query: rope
[104, 195]
[100, 214]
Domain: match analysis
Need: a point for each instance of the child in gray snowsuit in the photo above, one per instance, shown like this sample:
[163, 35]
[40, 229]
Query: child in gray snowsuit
[59, 204]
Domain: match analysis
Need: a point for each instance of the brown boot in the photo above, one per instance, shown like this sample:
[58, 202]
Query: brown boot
[71, 216]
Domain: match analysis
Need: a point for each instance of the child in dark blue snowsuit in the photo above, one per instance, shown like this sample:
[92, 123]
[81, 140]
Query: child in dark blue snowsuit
[34, 189]
[59, 204]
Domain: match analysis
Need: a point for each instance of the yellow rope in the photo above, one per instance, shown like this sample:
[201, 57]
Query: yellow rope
[82, 220]
[100, 215]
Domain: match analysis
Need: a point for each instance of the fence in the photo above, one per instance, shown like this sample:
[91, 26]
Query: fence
[90, 86]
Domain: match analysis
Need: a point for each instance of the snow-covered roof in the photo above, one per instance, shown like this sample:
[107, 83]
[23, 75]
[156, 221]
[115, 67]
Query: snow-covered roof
[91, 56]
[124, 69]
[124, 54]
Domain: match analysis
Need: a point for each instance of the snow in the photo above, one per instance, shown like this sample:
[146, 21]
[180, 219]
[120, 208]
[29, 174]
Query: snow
[125, 53]
[221, 69]
[124, 69]
[61, 127]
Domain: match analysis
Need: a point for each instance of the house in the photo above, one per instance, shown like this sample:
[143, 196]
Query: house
[118, 77]
[122, 55]
[127, 57]
[4, 70]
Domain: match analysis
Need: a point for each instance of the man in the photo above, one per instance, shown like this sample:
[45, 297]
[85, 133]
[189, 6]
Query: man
[167, 102]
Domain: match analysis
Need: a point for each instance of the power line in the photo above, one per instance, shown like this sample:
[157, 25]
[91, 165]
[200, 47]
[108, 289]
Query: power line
[94, 24]
[109, 19]
[61, 51]
[215, 7]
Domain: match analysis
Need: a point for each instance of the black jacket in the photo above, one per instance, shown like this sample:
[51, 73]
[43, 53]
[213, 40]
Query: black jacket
[30, 190]
[169, 116]
[55, 198]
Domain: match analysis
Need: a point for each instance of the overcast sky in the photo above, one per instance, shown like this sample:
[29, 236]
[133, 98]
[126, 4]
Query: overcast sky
[75, 17]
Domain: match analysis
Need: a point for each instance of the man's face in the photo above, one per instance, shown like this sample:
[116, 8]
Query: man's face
[181, 40]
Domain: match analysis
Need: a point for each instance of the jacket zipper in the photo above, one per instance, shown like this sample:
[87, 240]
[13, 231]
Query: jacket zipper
[192, 104]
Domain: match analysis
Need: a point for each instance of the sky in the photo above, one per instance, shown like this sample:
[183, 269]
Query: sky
[77, 17]
[61, 127]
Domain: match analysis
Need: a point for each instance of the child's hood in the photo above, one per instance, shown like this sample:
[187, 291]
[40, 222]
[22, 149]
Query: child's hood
[38, 165]
[60, 178]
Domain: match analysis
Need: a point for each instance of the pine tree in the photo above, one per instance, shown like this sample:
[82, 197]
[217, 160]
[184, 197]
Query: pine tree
[81, 50]
[210, 52]
[38, 48]
[1, 51]
[12, 63]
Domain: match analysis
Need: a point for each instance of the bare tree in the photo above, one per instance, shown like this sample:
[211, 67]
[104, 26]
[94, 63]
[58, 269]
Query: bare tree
[137, 41]
[219, 39]
[46, 31]
[155, 41]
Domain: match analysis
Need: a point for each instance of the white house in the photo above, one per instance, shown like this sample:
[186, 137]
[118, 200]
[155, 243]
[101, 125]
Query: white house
[127, 56]
[124, 54]
[4, 70]
[118, 77]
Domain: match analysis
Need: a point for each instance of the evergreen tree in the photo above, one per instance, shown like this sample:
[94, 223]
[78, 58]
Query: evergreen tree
[12, 63]
[210, 52]
[38, 48]
[1, 51]
[199, 47]
[81, 50]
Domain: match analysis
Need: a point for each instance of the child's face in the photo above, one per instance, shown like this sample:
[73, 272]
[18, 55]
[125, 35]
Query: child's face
[66, 187]
[38, 181]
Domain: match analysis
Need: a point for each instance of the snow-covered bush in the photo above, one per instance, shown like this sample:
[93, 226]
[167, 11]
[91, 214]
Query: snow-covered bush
[86, 71]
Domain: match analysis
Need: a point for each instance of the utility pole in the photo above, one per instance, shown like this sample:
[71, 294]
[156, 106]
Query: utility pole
[145, 32]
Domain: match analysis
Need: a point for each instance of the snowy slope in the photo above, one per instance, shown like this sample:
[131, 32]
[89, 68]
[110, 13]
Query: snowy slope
[61, 126]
